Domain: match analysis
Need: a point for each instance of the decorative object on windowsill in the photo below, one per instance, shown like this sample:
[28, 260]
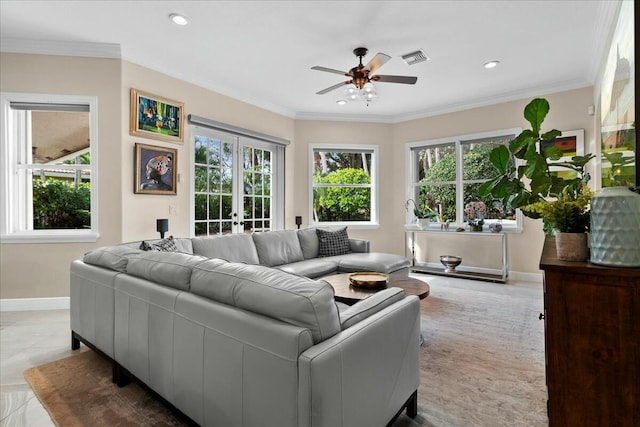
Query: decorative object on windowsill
[423, 214]
[475, 213]
[495, 227]
[162, 226]
[562, 203]
[444, 225]
[450, 262]
[615, 227]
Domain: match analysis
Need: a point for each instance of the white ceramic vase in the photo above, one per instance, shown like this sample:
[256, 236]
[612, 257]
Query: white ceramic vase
[615, 227]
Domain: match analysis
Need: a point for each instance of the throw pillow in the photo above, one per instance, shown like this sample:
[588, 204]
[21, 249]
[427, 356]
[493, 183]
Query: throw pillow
[165, 245]
[332, 243]
[144, 246]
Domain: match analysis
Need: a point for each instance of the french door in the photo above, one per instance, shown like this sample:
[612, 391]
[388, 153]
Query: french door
[235, 184]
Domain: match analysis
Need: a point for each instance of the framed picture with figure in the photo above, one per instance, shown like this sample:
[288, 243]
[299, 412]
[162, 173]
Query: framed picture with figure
[155, 169]
[155, 117]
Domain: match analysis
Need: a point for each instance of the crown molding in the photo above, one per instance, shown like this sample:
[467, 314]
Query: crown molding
[452, 108]
[498, 99]
[55, 47]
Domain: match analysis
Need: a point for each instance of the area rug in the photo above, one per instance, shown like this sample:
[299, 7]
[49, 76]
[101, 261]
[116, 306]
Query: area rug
[77, 391]
[481, 364]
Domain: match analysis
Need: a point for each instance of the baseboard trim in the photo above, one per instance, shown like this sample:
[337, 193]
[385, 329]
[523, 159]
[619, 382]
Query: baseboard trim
[525, 277]
[34, 304]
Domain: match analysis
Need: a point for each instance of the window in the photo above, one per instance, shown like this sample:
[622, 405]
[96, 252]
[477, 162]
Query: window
[49, 191]
[237, 183]
[343, 182]
[445, 175]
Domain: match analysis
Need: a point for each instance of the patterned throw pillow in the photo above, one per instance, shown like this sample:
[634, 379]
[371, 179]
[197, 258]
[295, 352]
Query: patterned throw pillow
[333, 243]
[164, 245]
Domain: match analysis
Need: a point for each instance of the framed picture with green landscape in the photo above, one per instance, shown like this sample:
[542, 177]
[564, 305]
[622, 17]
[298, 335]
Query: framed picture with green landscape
[155, 117]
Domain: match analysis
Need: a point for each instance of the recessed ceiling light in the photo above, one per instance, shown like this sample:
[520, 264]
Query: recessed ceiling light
[491, 64]
[178, 19]
[341, 102]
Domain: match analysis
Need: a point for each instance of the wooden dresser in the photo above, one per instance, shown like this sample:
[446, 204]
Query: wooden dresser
[592, 342]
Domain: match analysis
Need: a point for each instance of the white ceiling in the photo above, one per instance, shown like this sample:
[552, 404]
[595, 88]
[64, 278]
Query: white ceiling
[261, 52]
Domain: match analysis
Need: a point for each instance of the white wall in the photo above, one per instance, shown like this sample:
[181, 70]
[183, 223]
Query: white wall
[141, 210]
[568, 112]
[42, 270]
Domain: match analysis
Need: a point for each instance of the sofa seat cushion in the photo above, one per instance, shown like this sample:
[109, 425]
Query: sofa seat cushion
[289, 298]
[278, 247]
[311, 268]
[232, 247]
[372, 261]
[171, 269]
[111, 257]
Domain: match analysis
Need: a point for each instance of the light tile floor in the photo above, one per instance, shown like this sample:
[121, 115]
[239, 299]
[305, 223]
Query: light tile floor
[27, 339]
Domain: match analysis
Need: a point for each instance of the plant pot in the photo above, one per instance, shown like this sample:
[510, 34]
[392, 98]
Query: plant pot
[615, 227]
[423, 223]
[572, 246]
[475, 227]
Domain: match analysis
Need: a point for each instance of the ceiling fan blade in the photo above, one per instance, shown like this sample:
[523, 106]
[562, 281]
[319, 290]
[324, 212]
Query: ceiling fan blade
[376, 62]
[330, 70]
[330, 88]
[409, 80]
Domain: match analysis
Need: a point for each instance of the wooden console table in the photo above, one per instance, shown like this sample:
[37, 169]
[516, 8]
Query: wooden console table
[592, 342]
[410, 253]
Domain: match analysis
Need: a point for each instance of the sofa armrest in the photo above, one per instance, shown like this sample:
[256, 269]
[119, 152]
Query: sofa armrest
[364, 374]
[358, 245]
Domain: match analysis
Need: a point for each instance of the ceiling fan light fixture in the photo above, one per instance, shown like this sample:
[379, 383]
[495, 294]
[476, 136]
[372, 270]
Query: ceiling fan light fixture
[368, 88]
[352, 89]
[178, 19]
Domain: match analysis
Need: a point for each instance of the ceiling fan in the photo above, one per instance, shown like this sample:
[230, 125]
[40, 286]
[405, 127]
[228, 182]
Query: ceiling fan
[363, 74]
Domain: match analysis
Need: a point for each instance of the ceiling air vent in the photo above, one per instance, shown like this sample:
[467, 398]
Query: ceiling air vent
[415, 57]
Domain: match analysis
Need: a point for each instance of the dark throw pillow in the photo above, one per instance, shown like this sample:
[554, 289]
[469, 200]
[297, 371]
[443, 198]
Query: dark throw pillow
[333, 243]
[164, 245]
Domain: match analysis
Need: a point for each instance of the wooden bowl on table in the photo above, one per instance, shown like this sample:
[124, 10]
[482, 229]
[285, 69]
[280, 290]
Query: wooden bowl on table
[371, 280]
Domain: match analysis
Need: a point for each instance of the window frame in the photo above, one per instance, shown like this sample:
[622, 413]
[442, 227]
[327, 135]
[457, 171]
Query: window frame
[15, 213]
[373, 223]
[411, 149]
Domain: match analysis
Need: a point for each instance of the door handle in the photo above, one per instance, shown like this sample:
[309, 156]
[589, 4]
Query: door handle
[236, 222]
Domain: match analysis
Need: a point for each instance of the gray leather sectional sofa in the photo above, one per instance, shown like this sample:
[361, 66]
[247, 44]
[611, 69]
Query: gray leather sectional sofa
[234, 330]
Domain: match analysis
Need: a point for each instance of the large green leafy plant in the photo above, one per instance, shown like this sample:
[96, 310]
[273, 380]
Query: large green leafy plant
[560, 196]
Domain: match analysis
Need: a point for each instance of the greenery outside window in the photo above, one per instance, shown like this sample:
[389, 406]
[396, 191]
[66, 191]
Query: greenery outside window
[445, 174]
[343, 183]
[49, 191]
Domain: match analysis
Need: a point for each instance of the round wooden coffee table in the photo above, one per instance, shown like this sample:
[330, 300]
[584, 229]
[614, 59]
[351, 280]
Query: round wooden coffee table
[347, 294]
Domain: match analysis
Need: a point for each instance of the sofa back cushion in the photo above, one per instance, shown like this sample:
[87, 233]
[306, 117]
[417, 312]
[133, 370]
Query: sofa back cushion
[278, 247]
[273, 293]
[182, 244]
[231, 247]
[171, 269]
[111, 257]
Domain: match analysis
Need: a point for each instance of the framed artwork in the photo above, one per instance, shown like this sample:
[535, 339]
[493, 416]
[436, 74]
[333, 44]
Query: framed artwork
[571, 143]
[155, 169]
[155, 117]
[618, 132]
